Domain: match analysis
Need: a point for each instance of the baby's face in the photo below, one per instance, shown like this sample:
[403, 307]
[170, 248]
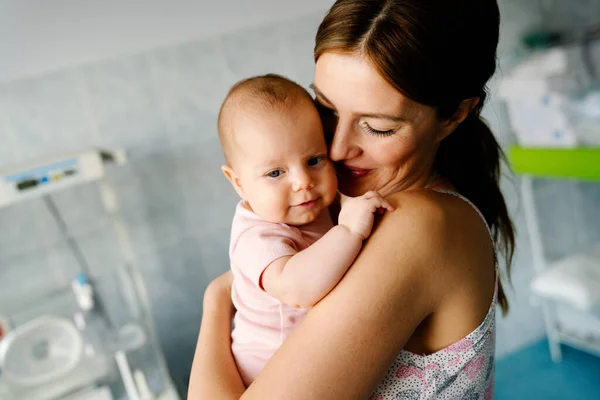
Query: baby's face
[283, 168]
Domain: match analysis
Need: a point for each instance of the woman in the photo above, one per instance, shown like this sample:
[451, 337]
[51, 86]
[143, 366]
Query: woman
[400, 85]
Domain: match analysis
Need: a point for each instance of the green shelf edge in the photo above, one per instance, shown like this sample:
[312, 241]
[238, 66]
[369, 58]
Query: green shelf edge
[581, 163]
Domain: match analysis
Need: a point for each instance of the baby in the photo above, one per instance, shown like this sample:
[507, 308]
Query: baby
[285, 253]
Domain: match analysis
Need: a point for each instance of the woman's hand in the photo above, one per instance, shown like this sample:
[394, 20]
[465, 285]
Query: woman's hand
[214, 373]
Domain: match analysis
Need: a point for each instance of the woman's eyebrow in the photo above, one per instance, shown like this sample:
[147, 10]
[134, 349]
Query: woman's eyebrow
[394, 118]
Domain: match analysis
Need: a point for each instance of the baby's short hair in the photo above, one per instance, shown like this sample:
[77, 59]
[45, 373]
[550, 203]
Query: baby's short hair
[263, 93]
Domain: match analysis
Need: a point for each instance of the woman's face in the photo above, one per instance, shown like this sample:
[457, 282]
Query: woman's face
[382, 140]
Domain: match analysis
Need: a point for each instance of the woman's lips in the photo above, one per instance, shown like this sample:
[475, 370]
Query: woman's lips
[345, 171]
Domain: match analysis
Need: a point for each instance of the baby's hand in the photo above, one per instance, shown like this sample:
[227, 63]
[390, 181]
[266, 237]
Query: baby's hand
[357, 213]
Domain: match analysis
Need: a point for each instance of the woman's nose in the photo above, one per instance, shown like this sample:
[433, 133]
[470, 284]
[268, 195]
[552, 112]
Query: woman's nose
[342, 146]
[302, 181]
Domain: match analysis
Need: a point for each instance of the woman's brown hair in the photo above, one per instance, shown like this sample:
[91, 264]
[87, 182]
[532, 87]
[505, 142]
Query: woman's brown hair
[437, 53]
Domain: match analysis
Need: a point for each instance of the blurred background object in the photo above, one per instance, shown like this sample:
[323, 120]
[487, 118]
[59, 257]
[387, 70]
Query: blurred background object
[76, 327]
[149, 76]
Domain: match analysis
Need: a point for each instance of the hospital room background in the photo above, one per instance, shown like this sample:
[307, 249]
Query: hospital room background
[114, 214]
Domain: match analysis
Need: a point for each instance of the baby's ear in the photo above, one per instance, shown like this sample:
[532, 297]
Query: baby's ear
[233, 178]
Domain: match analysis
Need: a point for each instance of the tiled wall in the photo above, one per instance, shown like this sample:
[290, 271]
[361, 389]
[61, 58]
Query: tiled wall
[161, 106]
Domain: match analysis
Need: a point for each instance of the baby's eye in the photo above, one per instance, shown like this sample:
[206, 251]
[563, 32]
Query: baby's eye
[314, 161]
[275, 173]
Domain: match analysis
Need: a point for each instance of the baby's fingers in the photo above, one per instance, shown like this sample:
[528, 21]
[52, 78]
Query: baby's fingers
[382, 203]
[379, 205]
[386, 204]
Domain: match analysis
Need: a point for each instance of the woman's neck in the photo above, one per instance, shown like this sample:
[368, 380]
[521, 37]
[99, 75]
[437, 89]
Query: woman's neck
[431, 180]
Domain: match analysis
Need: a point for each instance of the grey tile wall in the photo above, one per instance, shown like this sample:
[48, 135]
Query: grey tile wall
[45, 114]
[161, 106]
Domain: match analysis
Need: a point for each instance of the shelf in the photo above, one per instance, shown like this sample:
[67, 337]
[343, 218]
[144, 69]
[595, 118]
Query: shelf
[590, 345]
[577, 163]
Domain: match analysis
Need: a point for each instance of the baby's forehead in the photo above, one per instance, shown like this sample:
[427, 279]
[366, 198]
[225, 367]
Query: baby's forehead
[259, 160]
[266, 148]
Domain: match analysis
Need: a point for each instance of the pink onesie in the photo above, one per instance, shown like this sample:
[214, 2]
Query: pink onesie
[262, 323]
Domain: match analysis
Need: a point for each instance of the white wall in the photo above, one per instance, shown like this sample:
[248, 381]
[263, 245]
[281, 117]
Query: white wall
[38, 36]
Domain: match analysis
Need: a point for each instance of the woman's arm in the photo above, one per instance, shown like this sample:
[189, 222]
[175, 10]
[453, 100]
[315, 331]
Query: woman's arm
[306, 277]
[348, 340]
[214, 374]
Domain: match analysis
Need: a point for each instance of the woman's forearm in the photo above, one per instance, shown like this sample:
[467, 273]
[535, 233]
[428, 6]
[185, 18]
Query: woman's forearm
[214, 374]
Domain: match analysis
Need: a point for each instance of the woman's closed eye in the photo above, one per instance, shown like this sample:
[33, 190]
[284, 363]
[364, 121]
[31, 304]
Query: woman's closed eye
[377, 132]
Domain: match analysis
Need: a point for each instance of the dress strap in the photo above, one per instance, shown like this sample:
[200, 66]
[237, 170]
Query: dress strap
[469, 202]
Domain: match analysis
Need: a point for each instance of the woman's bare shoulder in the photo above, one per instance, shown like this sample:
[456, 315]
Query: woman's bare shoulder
[431, 216]
[430, 235]
[402, 254]
[420, 218]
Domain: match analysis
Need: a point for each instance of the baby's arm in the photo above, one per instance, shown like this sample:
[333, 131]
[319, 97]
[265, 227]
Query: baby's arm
[305, 278]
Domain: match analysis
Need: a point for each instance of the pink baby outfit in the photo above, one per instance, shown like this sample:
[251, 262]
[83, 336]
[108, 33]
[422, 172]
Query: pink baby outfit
[262, 323]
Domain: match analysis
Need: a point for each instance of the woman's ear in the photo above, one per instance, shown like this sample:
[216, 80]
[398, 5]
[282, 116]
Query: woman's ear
[233, 178]
[462, 112]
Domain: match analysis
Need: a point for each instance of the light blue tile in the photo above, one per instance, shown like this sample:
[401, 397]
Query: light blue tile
[10, 153]
[284, 48]
[62, 263]
[155, 232]
[148, 184]
[101, 251]
[111, 299]
[208, 200]
[125, 182]
[154, 174]
[178, 321]
[81, 208]
[298, 42]
[176, 281]
[255, 52]
[27, 226]
[189, 124]
[192, 80]
[26, 276]
[19, 224]
[214, 247]
[149, 201]
[124, 103]
[46, 115]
